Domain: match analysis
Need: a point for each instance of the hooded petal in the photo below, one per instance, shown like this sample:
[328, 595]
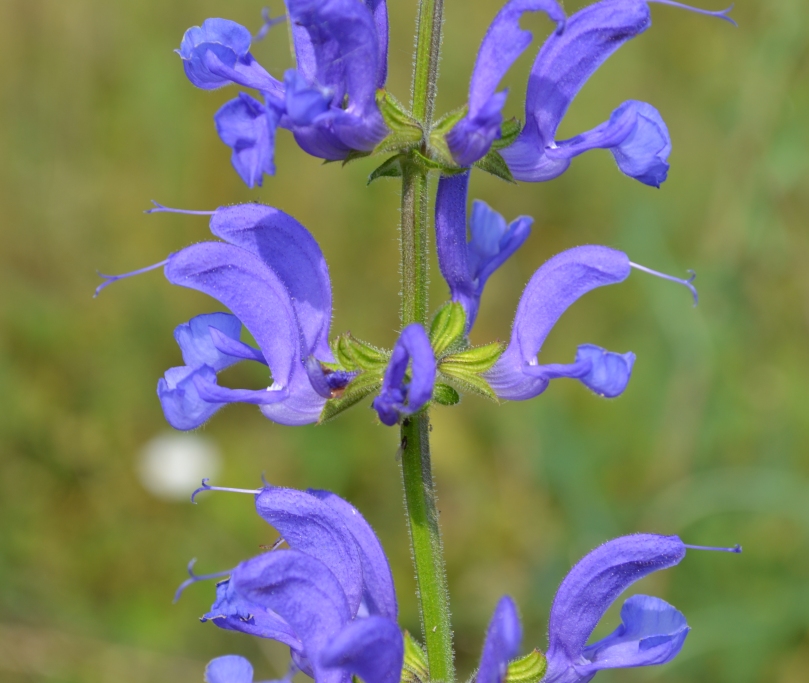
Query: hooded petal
[379, 10]
[472, 137]
[229, 669]
[398, 397]
[591, 587]
[651, 632]
[303, 592]
[467, 266]
[562, 67]
[231, 611]
[312, 526]
[217, 54]
[553, 288]
[502, 642]
[379, 594]
[244, 284]
[292, 253]
[371, 648]
[636, 135]
[248, 128]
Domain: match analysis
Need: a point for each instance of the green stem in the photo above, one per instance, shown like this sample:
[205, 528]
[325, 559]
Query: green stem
[425, 540]
[425, 68]
[420, 499]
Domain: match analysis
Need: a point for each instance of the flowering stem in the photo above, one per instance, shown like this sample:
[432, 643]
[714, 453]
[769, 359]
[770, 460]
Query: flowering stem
[425, 541]
[420, 499]
[425, 67]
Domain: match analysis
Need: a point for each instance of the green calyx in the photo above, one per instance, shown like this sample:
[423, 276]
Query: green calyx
[528, 669]
[414, 669]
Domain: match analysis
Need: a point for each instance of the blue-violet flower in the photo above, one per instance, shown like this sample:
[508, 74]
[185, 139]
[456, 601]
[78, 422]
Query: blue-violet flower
[328, 101]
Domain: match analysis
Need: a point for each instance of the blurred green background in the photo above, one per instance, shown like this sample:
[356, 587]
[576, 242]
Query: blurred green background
[709, 441]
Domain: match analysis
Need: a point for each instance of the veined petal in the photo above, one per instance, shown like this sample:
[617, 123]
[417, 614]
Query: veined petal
[502, 642]
[231, 611]
[636, 135]
[651, 632]
[294, 255]
[344, 44]
[556, 285]
[244, 284]
[248, 128]
[371, 648]
[562, 66]
[398, 397]
[379, 593]
[503, 43]
[591, 587]
[303, 592]
[229, 669]
[217, 54]
[312, 526]
[467, 267]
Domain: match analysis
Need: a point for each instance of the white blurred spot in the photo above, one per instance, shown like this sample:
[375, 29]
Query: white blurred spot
[171, 466]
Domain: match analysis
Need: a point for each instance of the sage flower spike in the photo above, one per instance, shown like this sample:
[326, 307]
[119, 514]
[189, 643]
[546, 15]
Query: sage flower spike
[466, 266]
[328, 101]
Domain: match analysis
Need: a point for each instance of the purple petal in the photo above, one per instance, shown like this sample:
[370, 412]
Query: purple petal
[304, 404]
[398, 397]
[217, 54]
[472, 137]
[636, 135]
[233, 612]
[553, 288]
[304, 102]
[370, 648]
[562, 67]
[235, 348]
[467, 267]
[502, 642]
[182, 405]
[591, 587]
[289, 249]
[211, 392]
[379, 594]
[248, 127]
[651, 632]
[197, 345]
[244, 284]
[229, 669]
[312, 526]
[303, 592]
[320, 139]
[379, 9]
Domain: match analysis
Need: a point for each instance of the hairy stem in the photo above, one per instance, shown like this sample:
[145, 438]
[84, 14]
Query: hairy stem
[425, 66]
[420, 499]
[425, 540]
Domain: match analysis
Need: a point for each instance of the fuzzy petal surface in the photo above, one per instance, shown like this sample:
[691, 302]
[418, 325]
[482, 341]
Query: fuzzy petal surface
[371, 648]
[502, 642]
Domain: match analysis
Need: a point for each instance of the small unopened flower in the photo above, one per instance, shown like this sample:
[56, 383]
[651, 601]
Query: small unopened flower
[635, 133]
[328, 101]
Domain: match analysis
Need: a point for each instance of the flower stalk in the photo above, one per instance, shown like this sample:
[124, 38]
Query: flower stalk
[420, 498]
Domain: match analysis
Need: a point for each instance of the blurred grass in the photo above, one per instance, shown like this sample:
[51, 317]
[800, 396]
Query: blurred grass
[710, 441]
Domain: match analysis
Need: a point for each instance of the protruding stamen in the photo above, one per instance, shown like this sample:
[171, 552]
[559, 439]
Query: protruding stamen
[735, 549]
[197, 577]
[207, 487]
[269, 22]
[109, 279]
[277, 544]
[159, 208]
[720, 14]
[687, 283]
